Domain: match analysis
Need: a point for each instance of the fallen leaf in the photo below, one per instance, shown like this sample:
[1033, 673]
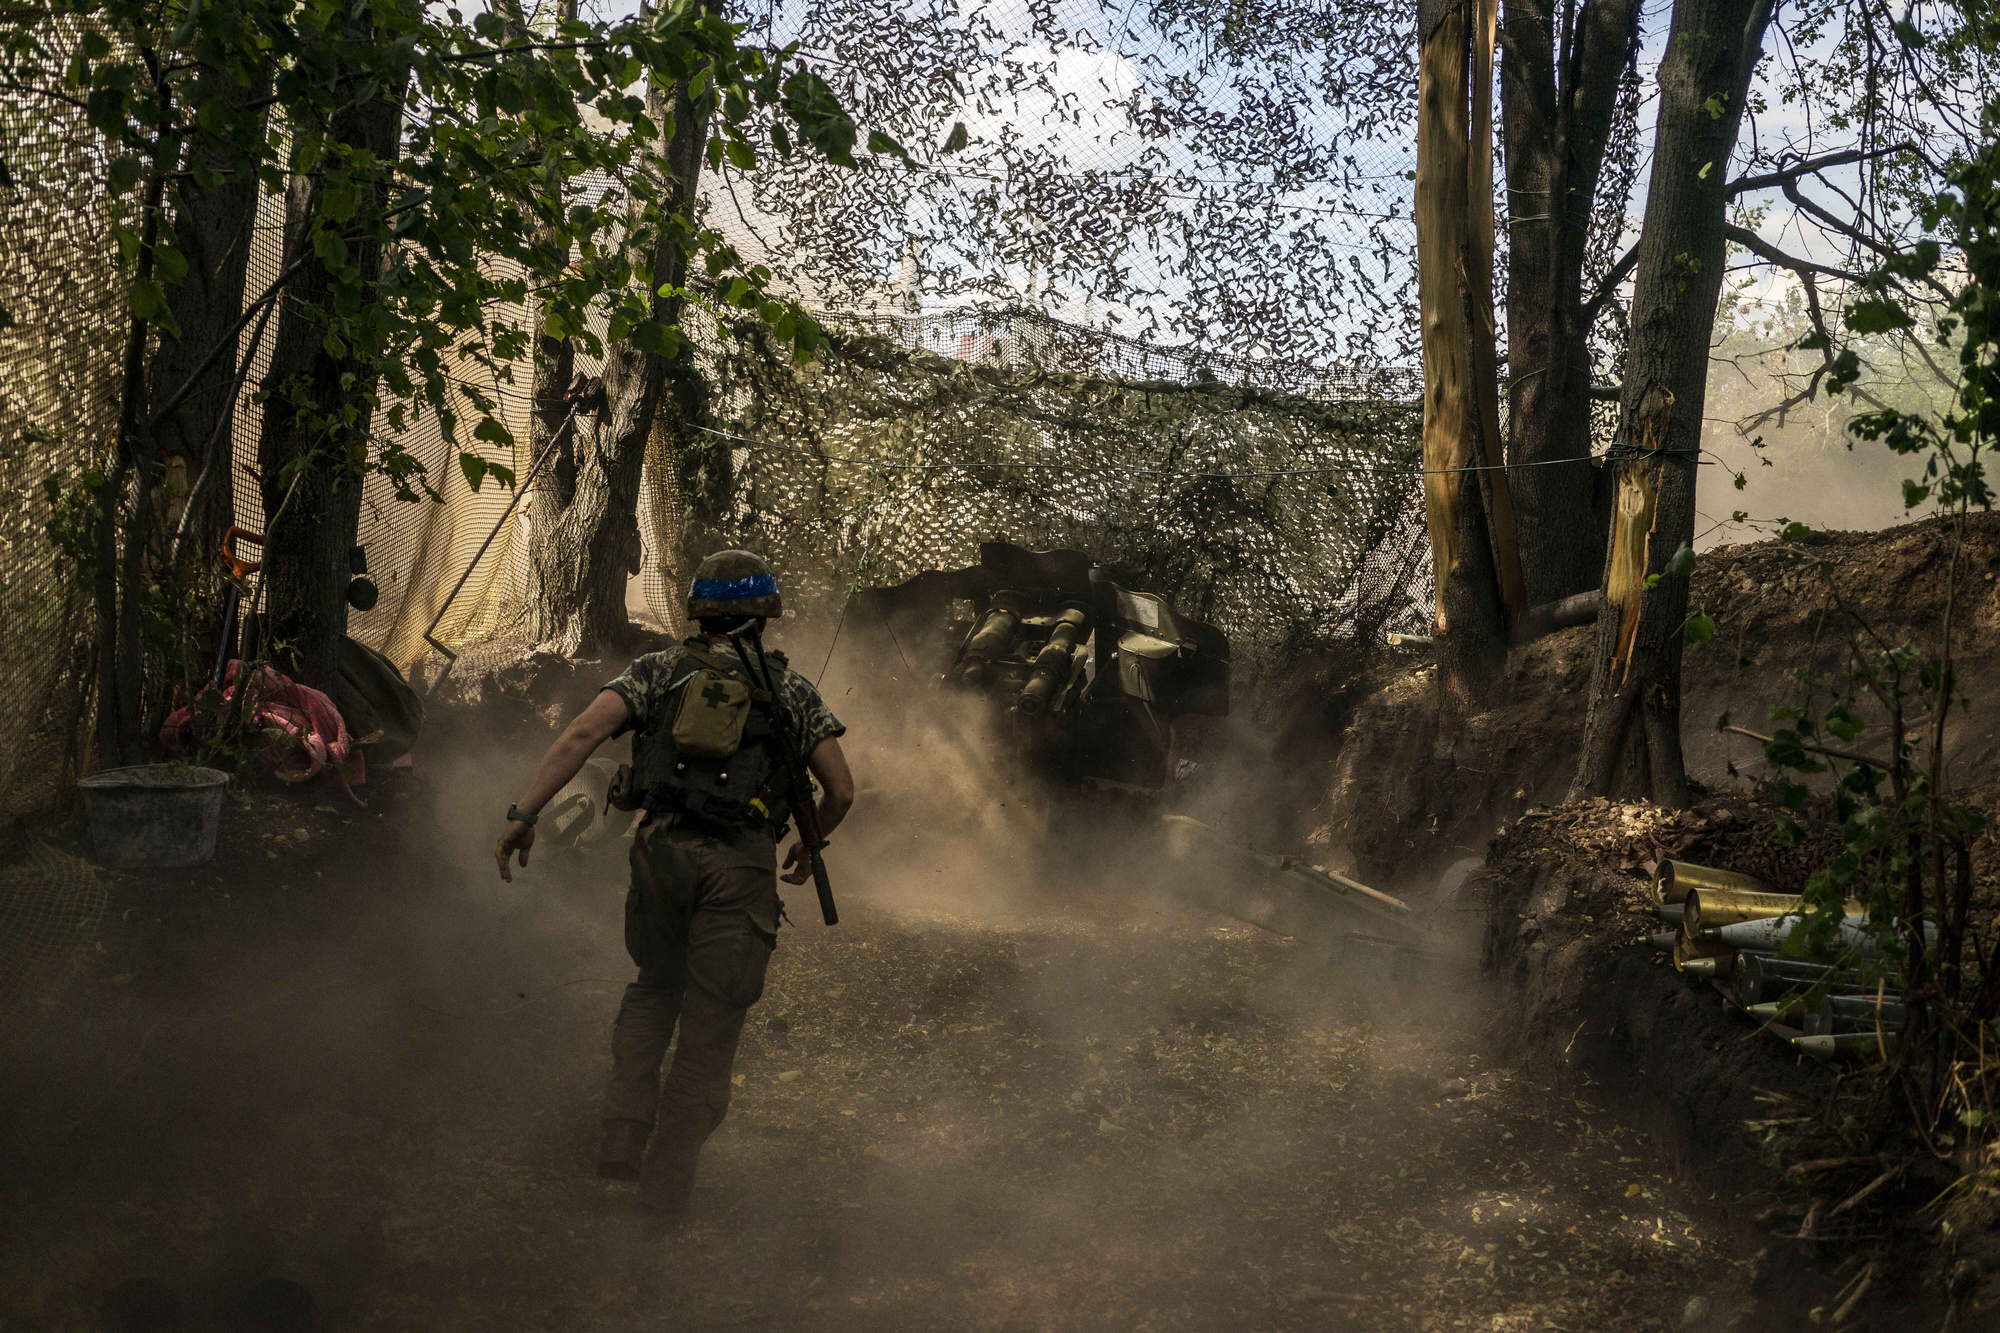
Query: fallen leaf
[789, 1076]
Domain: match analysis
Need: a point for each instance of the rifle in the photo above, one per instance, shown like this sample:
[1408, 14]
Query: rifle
[797, 779]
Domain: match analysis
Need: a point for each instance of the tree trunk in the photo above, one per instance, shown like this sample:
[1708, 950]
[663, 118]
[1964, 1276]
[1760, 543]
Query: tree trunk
[213, 230]
[1631, 740]
[1470, 628]
[585, 543]
[315, 431]
[1559, 110]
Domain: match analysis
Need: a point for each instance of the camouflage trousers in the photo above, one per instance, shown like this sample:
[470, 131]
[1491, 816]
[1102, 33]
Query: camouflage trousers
[701, 919]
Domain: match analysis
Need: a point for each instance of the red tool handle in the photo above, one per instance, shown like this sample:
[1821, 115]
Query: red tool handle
[238, 566]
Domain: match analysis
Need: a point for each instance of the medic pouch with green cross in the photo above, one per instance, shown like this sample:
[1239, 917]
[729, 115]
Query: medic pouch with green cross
[712, 752]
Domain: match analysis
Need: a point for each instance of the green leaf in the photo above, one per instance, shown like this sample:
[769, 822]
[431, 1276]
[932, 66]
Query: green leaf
[334, 346]
[169, 264]
[124, 174]
[1700, 627]
[879, 142]
[742, 155]
[1877, 314]
[490, 430]
[957, 139]
[474, 468]
[1706, 167]
[128, 243]
[1794, 531]
[332, 251]
[149, 302]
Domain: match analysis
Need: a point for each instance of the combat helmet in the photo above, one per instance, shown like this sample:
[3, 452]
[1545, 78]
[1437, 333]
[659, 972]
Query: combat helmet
[734, 584]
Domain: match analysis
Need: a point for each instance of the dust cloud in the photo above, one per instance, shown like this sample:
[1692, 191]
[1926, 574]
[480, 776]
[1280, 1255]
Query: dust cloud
[1025, 1084]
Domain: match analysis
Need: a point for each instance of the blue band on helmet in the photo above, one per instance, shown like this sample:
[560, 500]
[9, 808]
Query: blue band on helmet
[733, 590]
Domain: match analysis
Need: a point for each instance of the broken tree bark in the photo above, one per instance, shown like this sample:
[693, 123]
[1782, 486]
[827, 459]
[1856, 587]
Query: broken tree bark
[1631, 741]
[315, 429]
[1559, 114]
[585, 543]
[1471, 628]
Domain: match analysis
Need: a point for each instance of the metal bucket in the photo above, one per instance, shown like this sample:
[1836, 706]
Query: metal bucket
[160, 815]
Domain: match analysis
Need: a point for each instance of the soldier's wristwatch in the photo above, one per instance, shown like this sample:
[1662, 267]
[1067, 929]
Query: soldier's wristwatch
[529, 820]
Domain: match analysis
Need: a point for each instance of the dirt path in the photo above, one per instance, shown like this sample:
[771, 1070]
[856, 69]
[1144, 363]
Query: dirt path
[373, 1070]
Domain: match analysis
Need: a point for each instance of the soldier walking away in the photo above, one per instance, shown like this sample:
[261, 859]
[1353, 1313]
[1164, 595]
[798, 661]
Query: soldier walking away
[710, 767]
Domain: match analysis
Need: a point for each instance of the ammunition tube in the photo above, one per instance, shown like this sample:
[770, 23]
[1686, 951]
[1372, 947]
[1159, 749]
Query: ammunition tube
[1675, 878]
[1865, 1009]
[1765, 977]
[1663, 940]
[1861, 1013]
[1710, 909]
[1772, 932]
[1827, 1046]
[1688, 952]
[1671, 913]
[1052, 663]
[1792, 1013]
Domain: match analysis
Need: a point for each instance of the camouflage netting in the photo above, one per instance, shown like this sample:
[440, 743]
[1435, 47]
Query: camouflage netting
[985, 394]
[1289, 520]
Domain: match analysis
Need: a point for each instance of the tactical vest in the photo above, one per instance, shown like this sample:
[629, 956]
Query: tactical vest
[742, 788]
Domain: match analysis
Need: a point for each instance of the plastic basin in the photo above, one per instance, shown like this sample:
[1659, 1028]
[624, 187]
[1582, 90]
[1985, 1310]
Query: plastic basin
[160, 815]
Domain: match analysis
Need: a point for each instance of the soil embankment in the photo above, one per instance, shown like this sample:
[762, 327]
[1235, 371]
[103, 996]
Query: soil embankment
[1564, 888]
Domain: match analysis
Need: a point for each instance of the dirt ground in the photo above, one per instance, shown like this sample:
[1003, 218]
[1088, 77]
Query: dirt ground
[345, 1079]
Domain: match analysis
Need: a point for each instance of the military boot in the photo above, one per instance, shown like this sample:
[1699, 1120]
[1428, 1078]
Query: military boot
[624, 1149]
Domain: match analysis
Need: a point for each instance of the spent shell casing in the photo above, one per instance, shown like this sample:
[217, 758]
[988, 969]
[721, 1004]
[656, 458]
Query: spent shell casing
[1674, 878]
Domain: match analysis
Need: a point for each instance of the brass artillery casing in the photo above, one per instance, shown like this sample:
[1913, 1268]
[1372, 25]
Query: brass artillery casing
[1711, 909]
[1688, 952]
[1675, 878]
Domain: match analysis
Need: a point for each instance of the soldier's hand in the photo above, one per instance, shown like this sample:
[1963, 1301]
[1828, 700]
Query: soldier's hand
[797, 864]
[520, 838]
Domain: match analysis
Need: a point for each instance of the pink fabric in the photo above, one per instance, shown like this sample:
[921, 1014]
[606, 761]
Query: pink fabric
[302, 732]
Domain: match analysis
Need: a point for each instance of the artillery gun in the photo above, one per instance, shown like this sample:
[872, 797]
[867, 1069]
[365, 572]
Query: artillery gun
[1084, 676]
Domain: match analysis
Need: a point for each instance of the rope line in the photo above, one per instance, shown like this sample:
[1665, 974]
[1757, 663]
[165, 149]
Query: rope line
[882, 465]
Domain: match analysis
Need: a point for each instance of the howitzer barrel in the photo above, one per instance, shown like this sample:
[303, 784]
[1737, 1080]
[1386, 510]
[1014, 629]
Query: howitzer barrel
[1052, 663]
[991, 640]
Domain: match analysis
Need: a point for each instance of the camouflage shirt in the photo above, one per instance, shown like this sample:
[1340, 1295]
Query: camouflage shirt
[643, 687]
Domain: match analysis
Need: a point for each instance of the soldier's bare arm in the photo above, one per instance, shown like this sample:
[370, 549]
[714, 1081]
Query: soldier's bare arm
[592, 727]
[836, 798]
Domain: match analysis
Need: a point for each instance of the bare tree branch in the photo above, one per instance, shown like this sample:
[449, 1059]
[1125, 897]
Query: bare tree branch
[1811, 165]
[1595, 305]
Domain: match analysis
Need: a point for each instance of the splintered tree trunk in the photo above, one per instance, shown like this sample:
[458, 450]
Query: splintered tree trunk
[585, 543]
[1559, 123]
[1454, 253]
[308, 449]
[1632, 739]
[213, 230]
